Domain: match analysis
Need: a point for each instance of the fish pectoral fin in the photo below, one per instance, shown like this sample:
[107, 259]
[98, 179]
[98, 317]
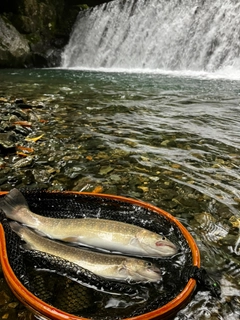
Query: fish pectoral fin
[122, 269]
[40, 233]
[27, 246]
[134, 241]
[71, 239]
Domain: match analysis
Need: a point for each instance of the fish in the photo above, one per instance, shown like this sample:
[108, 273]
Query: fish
[109, 266]
[103, 234]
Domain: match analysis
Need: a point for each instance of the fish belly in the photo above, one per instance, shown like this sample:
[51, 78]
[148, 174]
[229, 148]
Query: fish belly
[81, 232]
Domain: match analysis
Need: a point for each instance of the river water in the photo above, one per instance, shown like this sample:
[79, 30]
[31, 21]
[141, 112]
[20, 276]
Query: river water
[160, 123]
[168, 139]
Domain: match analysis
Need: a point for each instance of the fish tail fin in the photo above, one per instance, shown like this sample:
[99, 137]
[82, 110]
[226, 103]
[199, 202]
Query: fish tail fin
[12, 205]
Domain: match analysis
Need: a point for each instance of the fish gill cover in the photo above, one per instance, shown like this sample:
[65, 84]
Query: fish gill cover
[75, 290]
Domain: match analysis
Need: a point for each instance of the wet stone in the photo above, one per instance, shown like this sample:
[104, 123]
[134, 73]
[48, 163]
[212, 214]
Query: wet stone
[3, 180]
[13, 305]
[11, 314]
[2, 99]
[4, 298]
[115, 177]
[23, 162]
[22, 130]
[105, 170]
[28, 177]
[19, 114]
[7, 140]
[19, 101]
[24, 106]
[186, 202]
[166, 194]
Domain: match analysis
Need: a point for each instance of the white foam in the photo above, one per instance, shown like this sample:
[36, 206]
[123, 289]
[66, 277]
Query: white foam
[194, 39]
[227, 73]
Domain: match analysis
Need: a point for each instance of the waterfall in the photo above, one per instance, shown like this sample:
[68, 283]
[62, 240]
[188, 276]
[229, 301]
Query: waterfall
[157, 34]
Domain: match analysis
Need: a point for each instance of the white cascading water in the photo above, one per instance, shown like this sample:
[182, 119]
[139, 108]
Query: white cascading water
[157, 34]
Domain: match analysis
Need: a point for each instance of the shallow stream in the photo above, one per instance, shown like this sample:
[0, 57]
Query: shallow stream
[169, 139]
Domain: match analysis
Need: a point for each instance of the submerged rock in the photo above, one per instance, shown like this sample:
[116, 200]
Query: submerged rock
[7, 140]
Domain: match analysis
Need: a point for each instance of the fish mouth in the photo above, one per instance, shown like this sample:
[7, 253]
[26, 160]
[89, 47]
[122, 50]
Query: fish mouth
[157, 271]
[163, 244]
[173, 247]
[156, 275]
[154, 270]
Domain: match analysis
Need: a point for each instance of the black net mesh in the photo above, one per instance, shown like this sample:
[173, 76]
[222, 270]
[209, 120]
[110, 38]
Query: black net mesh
[77, 291]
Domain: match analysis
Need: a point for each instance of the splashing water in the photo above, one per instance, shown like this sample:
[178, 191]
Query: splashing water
[157, 35]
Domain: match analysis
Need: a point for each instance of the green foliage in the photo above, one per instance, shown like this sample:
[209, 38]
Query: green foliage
[83, 6]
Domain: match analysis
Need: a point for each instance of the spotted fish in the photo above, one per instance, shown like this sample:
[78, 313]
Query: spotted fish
[99, 233]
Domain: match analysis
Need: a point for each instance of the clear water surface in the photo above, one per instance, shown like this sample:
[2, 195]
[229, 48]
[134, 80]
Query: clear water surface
[171, 139]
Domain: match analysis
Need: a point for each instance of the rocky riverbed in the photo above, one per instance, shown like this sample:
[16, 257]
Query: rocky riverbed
[37, 151]
[65, 134]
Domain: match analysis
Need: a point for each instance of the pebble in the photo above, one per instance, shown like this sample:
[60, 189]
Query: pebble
[105, 170]
[23, 162]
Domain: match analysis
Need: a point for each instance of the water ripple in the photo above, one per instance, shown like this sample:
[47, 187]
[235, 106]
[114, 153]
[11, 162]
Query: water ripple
[172, 141]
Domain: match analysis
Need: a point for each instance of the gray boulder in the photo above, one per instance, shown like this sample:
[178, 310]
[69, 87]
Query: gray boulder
[14, 48]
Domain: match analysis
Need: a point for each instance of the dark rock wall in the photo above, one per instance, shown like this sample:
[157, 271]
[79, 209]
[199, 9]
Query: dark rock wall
[34, 32]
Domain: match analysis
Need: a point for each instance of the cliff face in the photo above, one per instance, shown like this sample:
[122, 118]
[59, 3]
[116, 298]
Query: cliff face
[33, 32]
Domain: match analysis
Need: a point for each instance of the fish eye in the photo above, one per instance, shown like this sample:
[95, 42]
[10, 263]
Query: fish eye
[163, 238]
[148, 264]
